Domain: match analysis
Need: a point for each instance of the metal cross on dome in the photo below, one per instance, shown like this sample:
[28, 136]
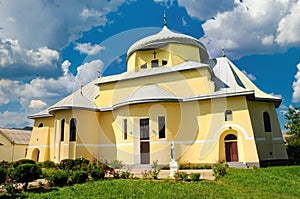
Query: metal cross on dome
[154, 54]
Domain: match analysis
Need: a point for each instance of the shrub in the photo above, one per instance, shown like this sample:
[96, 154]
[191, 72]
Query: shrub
[26, 173]
[156, 170]
[116, 164]
[98, 174]
[219, 170]
[59, 178]
[79, 176]
[49, 164]
[125, 174]
[2, 175]
[195, 176]
[181, 176]
[66, 164]
[23, 161]
[11, 186]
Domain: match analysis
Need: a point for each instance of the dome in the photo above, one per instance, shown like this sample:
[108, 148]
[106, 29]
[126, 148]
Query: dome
[164, 37]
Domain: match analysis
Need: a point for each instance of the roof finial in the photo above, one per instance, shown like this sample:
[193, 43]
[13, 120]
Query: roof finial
[165, 18]
[99, 73]
[223, 52]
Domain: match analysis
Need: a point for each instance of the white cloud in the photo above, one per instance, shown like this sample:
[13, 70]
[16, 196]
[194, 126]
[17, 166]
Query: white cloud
[289, 27]
[8, 118]
[89, 71]
[296, 86]
[251, 27]
[203, 9]
[37, 104]
[88, 48]
[36, 23]
[249, 75]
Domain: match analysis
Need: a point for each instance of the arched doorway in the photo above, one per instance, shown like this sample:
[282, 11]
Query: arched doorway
[231, 148]
[35, 155]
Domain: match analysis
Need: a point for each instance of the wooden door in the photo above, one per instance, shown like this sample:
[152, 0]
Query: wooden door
[231, 150]
[144, 141]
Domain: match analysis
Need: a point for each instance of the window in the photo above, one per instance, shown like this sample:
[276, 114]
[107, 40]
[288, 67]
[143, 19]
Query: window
[73, 129]
[125, 129]
[154, 63]
[144, 129]
[267, 122]
[164, 62]
[228, 115]
[161, 127]
[40, 125]
[62, 130]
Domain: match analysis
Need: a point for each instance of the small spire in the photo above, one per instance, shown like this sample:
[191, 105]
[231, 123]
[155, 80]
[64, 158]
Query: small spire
[223, 52]
[165, 18]
[81, 86]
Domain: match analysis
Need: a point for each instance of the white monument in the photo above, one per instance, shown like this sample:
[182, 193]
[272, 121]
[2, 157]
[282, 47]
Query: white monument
[173, 164]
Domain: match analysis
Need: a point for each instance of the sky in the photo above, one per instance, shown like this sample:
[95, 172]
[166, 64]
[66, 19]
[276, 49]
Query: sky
[49, 48]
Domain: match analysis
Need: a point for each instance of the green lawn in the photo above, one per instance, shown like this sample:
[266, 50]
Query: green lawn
[273, 182]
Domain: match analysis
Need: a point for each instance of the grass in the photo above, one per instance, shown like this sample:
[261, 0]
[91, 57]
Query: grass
[273, 182]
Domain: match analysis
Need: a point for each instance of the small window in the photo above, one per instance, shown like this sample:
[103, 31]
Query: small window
[73, 129]
[62, 130]
[125, 129]
[144, 66]
[161, 127]
[228, 115]
[164, 62]
[26, 150]
[154, 63]
[267, 122]
[40, 125]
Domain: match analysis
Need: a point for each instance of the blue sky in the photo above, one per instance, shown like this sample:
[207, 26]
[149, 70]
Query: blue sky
[49, 48]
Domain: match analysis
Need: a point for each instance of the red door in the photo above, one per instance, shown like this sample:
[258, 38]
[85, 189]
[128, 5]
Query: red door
[231, 150]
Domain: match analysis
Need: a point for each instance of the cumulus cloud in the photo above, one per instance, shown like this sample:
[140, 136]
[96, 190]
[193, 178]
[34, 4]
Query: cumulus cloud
[33, 96]
[203, 9]
[88, 48]
[289, 26]
[296, 86]
[37, 104]
[252, 27]
[36, 23]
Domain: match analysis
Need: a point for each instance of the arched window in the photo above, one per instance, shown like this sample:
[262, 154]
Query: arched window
[267, 122]
[40, 125]
[228, 115]
[62, 130]
[73, 129]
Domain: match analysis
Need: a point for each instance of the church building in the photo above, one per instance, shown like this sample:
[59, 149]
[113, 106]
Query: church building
[172, 93]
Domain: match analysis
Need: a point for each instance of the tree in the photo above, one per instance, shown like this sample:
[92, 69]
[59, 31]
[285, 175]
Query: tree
[293, 127]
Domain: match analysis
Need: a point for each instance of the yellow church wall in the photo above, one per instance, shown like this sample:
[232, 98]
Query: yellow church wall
[40, 139]
[184, 83]
[269, 144]
[173, 53]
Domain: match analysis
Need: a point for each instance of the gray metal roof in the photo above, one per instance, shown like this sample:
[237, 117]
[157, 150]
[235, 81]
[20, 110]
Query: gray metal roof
[164, 37]
[16, 136]
[229, 81]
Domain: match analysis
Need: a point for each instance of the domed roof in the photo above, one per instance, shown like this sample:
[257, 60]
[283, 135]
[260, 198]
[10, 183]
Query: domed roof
[164, 37]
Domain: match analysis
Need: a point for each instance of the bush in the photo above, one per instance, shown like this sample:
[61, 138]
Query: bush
[181, 176]
[49, 164]
[125, 174]
[219, 170]
[26, 173]
[195, 176]
[66, 164]
[97, 174]
[23, 161]
[116, 164]
[79, 176]
[2, 175]
[59, 178]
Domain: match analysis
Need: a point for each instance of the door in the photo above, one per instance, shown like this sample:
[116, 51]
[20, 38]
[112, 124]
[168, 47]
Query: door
[144, 141]
[231, 148]
[231, 152]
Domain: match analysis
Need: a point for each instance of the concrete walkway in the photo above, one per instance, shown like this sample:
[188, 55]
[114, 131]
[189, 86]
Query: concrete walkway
[206, 174]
